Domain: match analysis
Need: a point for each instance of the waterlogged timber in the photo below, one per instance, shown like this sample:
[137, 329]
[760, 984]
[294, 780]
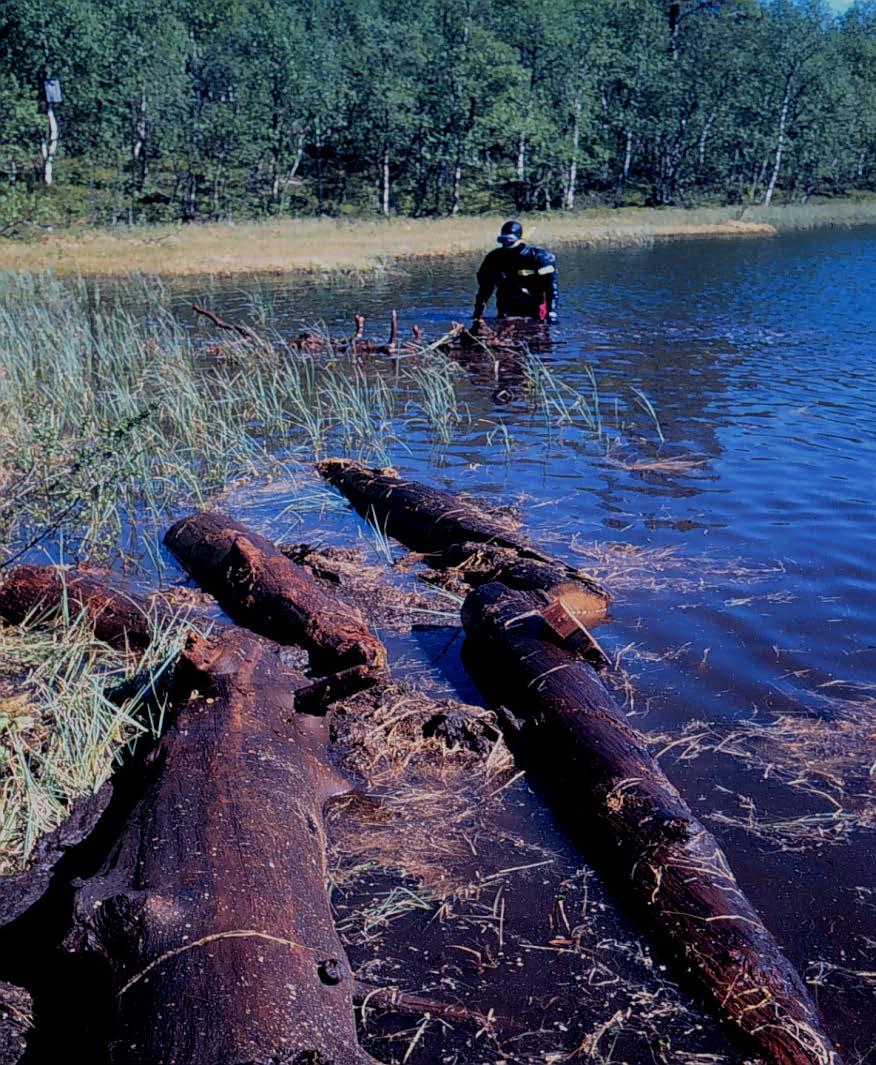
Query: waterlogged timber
[742, 622]
[211, 910]
[255, 582]
[523, 655]
[122, 621]
[568, 726]
[454, 532]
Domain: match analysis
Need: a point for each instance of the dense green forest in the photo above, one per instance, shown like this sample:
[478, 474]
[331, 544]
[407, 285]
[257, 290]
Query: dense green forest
[214, 109]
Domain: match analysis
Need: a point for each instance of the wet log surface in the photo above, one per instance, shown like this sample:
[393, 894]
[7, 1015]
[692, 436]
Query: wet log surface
[620, 802]
[452, 531]
[118, 619]
[212, 911]
[259, 587]
[16, 1011]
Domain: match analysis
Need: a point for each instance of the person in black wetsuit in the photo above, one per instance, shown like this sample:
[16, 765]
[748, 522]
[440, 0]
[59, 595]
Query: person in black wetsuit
[524, 277]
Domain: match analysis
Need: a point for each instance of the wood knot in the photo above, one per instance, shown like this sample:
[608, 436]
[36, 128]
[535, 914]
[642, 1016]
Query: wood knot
[331, 971]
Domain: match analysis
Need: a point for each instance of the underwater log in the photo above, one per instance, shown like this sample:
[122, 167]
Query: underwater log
[670, 866]
[453, 531]
[259, 587]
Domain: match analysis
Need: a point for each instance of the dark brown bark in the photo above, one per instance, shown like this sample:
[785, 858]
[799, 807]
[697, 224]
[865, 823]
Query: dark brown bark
[452, 531]
[212, 911]
[118, 619]
[674, 870]
[262, 589]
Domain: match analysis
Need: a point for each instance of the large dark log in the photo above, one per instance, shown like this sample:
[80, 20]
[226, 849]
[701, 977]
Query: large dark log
[453, 531]
[118, 619]
[212, 911]
[262, 589]
[673, 868]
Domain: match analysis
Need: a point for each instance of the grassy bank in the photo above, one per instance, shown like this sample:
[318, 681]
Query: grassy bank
[314, 245]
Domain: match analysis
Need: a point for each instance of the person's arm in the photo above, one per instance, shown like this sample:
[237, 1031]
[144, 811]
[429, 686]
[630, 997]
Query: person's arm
[486, 284]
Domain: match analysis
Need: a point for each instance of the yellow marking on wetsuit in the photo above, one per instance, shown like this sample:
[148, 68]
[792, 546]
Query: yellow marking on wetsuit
[526, 273]
[546, 270]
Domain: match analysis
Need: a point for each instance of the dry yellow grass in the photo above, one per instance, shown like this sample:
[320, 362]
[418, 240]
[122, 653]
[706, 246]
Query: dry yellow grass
[315, 245]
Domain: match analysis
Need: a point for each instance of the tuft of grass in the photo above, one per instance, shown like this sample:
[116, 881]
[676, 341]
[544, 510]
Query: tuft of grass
[114, 417]
[60, 731]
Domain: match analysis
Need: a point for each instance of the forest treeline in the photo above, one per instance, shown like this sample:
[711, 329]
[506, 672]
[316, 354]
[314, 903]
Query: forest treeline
[212, 109]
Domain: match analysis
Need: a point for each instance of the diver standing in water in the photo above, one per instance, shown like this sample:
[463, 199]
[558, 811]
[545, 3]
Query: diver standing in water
[524, 277]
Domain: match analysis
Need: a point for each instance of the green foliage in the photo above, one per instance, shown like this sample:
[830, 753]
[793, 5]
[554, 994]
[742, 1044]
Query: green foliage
[248, 108]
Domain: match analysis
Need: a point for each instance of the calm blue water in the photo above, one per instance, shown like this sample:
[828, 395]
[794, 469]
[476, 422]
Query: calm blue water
[740, 547]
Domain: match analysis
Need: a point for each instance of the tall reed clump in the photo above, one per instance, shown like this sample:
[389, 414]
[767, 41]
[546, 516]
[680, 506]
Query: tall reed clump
[112, 418]
[61, 730]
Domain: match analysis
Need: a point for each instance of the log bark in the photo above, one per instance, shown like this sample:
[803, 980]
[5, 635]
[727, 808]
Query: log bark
[118, 619]
[673, 869]
[212, 911]
[260, 588]
[16, 1018]
[452, 531]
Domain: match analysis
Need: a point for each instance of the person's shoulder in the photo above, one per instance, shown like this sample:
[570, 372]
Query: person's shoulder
[492, 259]
[547, 257]
[541, 256]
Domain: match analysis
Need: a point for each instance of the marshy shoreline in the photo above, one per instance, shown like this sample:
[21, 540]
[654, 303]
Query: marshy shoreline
[324, 245]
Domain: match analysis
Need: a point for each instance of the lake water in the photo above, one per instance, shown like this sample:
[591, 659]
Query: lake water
[727, 502]
[739, 547]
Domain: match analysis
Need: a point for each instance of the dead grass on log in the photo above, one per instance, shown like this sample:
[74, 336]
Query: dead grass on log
[60, 732]
[388, 599]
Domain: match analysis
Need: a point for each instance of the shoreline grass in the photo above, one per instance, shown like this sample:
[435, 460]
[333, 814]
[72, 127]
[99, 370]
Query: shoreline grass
[321, 245]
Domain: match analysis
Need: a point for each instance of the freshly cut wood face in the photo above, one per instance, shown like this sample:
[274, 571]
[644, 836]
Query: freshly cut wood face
[569, 613]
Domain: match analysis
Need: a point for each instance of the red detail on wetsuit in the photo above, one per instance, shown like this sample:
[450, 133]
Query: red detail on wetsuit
[542, 308]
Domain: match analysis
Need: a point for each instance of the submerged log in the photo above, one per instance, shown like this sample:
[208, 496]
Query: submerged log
[672, 867]
[455, 533]
[232, 327]
[212, 911]
[259, 587]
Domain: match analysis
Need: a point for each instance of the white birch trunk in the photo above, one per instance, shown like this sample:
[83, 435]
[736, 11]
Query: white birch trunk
[572, 178]
[780, 144]
[385, 183]
[49, 145]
